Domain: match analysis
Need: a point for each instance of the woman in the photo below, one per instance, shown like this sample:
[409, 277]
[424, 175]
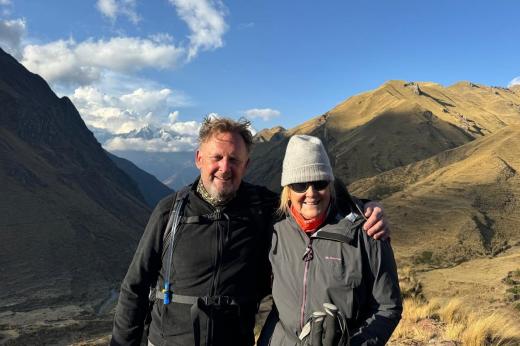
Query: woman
[320, 255]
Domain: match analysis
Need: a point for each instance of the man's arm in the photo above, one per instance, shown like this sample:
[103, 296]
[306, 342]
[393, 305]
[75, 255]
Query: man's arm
[133, 303]
[376, 225]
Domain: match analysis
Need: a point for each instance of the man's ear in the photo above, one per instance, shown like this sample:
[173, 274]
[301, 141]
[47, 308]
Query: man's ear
[198, 159]
[247, 163]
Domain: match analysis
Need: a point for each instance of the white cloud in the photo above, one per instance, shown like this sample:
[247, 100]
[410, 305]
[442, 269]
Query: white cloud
[143, 100]
[514, 81]
[58, 62]
[68, 62]
[114, 8]
[122, 113]
[72, 64]
[107, 8]
[5, 2]
[11, 34]
[263, 113]
[205, 19]
[189, 128]
[132, 111]
[186, 143]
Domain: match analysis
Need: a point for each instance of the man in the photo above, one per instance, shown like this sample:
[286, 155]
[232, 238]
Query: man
[215, 268]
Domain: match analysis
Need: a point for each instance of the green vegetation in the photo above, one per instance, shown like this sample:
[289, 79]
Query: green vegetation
[426, 257]
[513, 293]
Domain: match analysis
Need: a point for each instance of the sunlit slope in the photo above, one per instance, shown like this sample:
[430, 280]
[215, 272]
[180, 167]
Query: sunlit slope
[476, 108]
[392, 126]
[456, 205]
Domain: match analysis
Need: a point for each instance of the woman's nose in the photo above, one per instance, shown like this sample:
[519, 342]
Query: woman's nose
[311, 190]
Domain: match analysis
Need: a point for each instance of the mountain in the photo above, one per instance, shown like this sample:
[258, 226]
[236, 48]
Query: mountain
[456, 205]
[152, 132]
[151, 188]
[394, 125]
[71, 218]
[444, 162]
[174, 169]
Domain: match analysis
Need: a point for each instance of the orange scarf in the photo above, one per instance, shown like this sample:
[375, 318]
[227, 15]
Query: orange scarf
[308, 225]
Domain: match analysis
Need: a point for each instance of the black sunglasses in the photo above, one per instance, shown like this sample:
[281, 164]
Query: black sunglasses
[302, 187]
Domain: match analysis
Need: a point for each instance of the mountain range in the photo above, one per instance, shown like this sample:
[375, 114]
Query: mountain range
[444, 161]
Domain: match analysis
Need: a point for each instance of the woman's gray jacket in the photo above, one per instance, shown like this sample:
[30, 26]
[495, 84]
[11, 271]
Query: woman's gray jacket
[338, 264]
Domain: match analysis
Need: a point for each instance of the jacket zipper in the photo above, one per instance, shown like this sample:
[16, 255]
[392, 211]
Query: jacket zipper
[216, 276]
[218, 260]
[307, 257]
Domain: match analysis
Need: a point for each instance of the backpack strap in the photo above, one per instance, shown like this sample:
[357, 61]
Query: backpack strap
[179, 200]
[169, 237]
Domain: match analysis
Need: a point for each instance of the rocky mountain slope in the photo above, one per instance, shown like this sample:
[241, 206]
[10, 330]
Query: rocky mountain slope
[70, 218]
[151, 188]
[173, 169]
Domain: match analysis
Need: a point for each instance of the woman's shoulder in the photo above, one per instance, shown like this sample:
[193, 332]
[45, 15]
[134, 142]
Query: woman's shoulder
[283, 222]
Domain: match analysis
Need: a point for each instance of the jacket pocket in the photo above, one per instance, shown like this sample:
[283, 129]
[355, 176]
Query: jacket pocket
[175, 319]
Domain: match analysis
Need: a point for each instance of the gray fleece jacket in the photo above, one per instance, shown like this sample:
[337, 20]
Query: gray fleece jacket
[338, 264]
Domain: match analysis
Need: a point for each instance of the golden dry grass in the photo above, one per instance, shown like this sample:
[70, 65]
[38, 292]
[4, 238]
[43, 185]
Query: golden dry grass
[494, 329]
[424, 322]
[453, 312]
[449, 320]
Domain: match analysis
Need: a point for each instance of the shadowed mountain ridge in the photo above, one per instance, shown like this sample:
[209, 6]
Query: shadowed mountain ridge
[70, 217]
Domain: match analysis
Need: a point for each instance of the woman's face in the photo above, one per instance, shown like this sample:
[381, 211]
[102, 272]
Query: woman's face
[312, 202]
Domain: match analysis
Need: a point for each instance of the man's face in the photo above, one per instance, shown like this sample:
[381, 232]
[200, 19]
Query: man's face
[222, 161]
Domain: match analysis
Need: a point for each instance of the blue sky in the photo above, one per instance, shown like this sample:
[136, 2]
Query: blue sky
[127, 63]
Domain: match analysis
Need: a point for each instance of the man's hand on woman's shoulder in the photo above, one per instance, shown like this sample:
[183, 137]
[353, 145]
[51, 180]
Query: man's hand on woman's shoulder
[376, 225]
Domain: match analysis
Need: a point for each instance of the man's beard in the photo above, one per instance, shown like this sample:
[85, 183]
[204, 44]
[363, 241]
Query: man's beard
[222, 195]
[214, 196]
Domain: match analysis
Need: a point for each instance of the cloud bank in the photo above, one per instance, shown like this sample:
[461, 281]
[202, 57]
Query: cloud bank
[141, 119]
[128, 111]
[100, 74]
[72, 63]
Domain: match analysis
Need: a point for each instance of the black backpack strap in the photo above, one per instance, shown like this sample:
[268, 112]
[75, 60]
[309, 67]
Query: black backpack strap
[179, 200]
[169, 237]
[155, 291]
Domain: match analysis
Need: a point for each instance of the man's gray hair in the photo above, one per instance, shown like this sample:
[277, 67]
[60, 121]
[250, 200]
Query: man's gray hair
[211, 126]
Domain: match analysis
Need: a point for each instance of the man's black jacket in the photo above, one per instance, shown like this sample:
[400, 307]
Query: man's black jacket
[225, 257]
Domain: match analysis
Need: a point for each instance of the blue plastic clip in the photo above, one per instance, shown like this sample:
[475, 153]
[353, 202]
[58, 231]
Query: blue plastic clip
[167, 293]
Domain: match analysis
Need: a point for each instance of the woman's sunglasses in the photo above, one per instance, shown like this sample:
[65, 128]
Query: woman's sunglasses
[302, 187]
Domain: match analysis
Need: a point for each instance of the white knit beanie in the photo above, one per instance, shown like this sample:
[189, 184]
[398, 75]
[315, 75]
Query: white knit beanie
[305, 160]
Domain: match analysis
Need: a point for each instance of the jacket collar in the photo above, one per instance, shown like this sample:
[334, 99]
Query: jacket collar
[340, 228]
